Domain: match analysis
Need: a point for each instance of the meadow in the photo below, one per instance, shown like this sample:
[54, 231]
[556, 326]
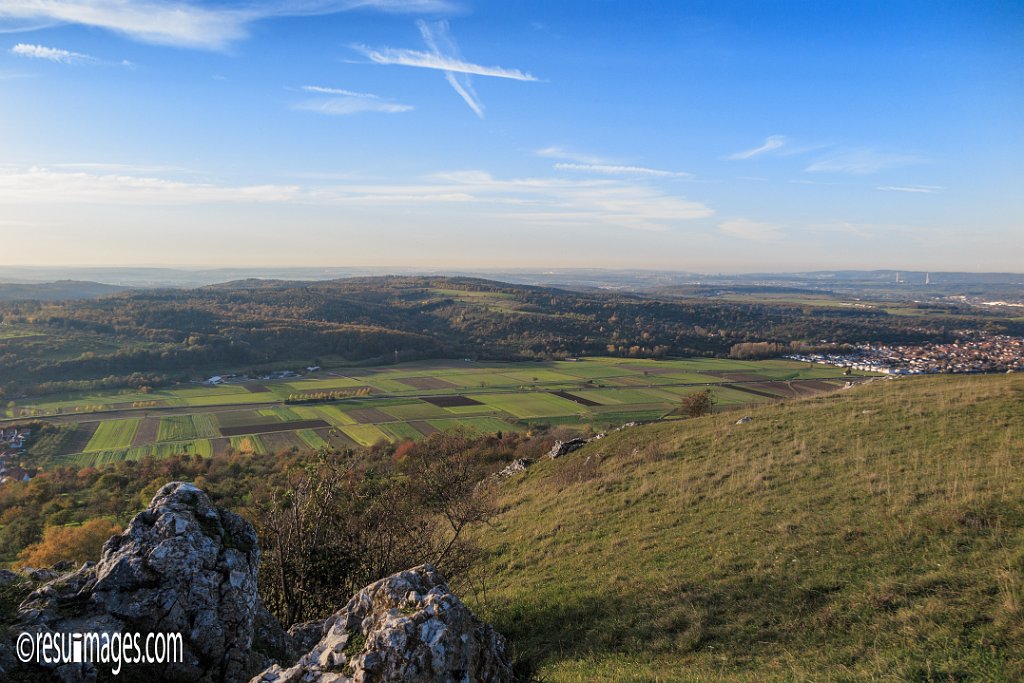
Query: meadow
[405, 401]
[866, 535]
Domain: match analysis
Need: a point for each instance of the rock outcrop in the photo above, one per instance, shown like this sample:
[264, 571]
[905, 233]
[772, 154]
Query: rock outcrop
[562, 447]
[185, 566]
[514, 467]
[182, 566]
[406, 628]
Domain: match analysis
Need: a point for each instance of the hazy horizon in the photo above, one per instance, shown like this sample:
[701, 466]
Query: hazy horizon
[708, 137]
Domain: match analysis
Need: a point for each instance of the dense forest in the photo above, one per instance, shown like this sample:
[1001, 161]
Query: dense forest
[150, 337]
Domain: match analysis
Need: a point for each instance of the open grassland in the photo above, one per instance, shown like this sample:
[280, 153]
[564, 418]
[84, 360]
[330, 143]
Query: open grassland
[601, 392]
[873, 534]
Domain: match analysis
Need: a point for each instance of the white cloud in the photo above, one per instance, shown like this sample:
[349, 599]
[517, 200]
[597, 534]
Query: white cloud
[556, 152]
[613, 169]
[42, 185]
[429, 60]
[347, 102]
[584, 203]
[52, 54]
[862, 162]
[344, 106]
[184, 24]
[771, 143]
[925, 189]
[462, 83]
[755, 231]
[590, 202]
[336, 91]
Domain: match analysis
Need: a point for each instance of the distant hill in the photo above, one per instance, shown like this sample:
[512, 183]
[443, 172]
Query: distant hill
[874, 534]
[250, 324]
[59, 290]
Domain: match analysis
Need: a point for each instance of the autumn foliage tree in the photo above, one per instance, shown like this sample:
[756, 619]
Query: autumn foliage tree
[74, 543]
[696, 405]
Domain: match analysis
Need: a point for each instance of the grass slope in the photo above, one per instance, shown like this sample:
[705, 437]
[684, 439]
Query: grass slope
[874, 534]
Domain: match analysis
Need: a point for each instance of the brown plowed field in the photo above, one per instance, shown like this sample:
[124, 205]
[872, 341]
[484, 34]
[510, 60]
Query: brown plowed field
[450, 401]
[575, 399]
[270, 427]
[424, 428]
[147, 431]
[80, 439]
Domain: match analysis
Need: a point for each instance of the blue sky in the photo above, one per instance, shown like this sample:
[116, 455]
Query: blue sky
[715, 136]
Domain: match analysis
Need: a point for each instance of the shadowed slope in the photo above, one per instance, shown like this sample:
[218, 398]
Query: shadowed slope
[875, 534]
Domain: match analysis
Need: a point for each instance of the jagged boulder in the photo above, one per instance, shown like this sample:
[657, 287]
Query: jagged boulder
[562, 447]
[514, 467]
[406, 628]
[182, 566]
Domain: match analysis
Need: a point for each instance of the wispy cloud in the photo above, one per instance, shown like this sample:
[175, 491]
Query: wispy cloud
[347, 102]
[862, 162]
[582, 203]
[755, 231]
[614, 169]
[771, 143]
[52, 54]
[444, 55]
[185, 24]
[924, 189]
[556, 152]
[429, 60]
[43, 185]
[345, 106]
[337, 91]
[462, 83]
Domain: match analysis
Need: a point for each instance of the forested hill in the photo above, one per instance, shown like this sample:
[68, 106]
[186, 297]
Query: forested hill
[55, 291]
[172, 333]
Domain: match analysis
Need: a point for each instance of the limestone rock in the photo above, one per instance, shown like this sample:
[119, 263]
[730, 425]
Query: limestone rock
[406, 628]
[517, 465]
[562, 447]
[182, 566]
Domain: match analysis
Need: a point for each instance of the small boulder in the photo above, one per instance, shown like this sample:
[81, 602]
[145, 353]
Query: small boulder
[562, 447]
[406, 628]
[517, 465]
[744, 420]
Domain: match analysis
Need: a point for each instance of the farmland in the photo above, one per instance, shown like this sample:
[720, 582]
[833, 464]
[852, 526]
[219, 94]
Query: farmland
[397, 402]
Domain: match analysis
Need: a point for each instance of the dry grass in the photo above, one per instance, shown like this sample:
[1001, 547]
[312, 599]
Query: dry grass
[875, 534]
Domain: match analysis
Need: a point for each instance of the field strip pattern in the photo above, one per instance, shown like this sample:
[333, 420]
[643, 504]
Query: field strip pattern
[410, 401]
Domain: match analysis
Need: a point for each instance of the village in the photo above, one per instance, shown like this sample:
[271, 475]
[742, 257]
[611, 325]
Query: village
[12, 448]
[998, 353]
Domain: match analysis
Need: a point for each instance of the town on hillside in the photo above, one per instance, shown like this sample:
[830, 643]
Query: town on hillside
[12, 448]
[999, 353]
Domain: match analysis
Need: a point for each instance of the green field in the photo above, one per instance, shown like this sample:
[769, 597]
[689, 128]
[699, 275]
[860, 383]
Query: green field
[113, 434]
[502, 396]
[312, 439]
[365, 435]
[177, 428]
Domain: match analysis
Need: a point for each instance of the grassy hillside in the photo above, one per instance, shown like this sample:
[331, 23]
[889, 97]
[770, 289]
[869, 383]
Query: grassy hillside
[874, 534]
